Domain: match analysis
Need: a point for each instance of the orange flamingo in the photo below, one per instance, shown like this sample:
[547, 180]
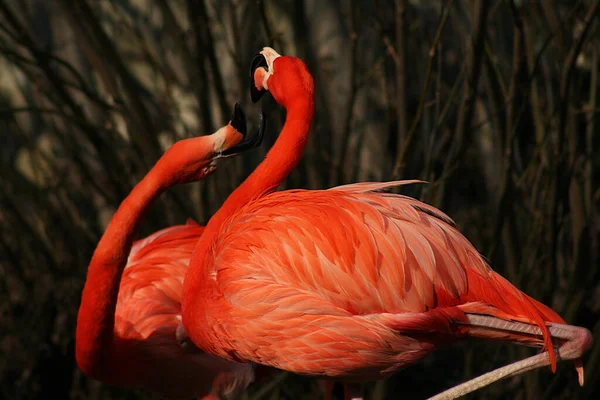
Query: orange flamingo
[128, 330]
[349, 283]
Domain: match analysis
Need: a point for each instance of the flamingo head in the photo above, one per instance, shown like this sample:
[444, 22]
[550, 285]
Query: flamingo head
[193, 159]
[287, 78]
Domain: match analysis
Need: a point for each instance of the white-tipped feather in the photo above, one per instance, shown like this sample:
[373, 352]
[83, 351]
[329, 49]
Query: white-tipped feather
[364, 187]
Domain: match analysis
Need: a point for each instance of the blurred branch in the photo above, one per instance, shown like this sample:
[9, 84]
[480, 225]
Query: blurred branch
[195, 69]
[339, 176]
[555, 25]
[203, 92]
[589, 174]
[510, 238]
[441, 143]
[473, 64]
[273, 39]
[40, 57]
[63, 97]
[205, 47]
[534, 96]
[400, 158]
[217, 78]
[569, 66]
[91, 33]
[499, 99]
[401, 103]
[500, 109]
[12, 205]
[80, 84]
[237, 52]
[562, 172]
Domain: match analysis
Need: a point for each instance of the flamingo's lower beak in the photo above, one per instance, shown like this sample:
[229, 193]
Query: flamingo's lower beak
[238, 122]
[238, 119]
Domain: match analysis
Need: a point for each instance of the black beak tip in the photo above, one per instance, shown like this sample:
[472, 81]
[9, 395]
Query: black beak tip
[238, 119]
[257, 61]
[255, 94]
[250, 141]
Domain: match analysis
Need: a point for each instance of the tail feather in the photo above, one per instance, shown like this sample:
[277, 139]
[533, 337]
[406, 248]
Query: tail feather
[511, 304]
[549, 314]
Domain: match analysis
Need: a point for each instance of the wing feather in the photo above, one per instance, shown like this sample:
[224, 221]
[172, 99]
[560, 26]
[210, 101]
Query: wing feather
[364, 187]
[149, 300]
[346, 267]
[377, 250]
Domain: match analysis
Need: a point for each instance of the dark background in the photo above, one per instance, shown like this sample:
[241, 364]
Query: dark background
[493, 102]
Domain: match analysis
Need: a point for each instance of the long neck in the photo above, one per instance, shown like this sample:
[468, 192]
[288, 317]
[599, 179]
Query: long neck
[279, 162]
[95, 322]
[277, 165]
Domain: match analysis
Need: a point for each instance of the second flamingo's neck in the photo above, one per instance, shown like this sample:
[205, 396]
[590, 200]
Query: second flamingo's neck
[95, 322]
[277, 165]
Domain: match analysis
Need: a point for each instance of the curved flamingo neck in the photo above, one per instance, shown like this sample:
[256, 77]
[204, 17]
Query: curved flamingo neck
[96, 319]
[277, 165]
[279, 162]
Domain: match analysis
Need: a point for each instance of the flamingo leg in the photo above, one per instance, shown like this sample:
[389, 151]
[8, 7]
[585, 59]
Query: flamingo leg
[353, 391]
[327, 389]
[578, 340]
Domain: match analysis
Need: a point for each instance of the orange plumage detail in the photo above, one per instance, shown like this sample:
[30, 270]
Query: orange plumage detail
[349, 283]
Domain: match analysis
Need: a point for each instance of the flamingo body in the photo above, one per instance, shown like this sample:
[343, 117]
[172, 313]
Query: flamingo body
[147, 315]
[149, 300]
[128, 323]
[347, 283]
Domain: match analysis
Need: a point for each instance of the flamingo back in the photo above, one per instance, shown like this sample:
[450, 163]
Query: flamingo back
[369, 261]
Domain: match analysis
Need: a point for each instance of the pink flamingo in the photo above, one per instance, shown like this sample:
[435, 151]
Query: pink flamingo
[348, 283]
[128, 330]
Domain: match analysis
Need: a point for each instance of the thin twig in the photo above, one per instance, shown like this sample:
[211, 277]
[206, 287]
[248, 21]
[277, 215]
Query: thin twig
[400, 159]
[401, 71]
[338, 177]
[562, 171]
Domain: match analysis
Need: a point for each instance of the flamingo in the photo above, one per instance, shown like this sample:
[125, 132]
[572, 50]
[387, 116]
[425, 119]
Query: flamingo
[349, 283]
[128, 327]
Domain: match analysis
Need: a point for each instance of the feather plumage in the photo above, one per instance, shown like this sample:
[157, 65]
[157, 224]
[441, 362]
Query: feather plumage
[147, 316]
[304, 276]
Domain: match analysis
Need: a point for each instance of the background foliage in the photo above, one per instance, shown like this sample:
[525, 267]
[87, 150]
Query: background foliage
[493, 102]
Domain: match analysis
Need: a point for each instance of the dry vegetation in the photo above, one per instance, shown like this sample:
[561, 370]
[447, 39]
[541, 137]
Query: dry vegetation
[493, 102]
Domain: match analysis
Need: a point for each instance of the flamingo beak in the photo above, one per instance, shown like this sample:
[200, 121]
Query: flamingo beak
[238, 119]
[257, 62]
[238, 122]
[265, 60]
